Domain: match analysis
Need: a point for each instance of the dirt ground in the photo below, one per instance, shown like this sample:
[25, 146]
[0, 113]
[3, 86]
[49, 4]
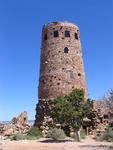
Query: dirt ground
[44, 144]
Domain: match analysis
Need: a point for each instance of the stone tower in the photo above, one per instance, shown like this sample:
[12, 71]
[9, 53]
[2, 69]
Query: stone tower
[61, 68]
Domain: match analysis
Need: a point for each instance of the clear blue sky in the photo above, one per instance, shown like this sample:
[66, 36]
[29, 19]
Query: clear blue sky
[20, 41]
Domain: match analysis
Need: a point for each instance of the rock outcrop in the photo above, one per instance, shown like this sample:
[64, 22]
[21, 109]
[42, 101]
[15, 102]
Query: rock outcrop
[17, 125]
[21, 119]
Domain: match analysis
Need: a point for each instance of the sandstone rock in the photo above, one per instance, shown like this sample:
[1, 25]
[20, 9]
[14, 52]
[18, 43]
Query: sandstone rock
[22, 118]
[17, 125]
[8, 132]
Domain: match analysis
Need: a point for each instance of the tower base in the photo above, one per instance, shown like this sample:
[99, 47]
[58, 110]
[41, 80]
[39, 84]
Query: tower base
[43, 118]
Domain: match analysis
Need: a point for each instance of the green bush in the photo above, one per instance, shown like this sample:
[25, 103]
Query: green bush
[107, 136]
[34, 132]
[56, 134]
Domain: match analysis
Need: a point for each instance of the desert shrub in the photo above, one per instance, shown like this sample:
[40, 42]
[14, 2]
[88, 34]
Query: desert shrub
[56, 134]
[34, 132]
[107, 136]
[16, 137]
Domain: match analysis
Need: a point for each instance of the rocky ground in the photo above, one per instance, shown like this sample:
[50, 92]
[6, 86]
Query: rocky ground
[44, 144]
[19, 125]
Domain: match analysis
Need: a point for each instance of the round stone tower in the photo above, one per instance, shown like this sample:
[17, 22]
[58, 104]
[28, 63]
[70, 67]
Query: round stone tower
[61, 68]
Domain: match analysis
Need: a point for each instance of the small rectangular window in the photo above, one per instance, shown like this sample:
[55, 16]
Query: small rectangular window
[67, 33]
[76, 36]
[56, 34]
[66, 50]
[45, 36]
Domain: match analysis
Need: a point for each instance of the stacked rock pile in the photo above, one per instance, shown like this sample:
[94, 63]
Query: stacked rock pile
[17, 125]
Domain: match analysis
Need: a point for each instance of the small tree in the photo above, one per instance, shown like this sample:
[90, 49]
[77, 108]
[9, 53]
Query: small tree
[70, 110]
[106, 103]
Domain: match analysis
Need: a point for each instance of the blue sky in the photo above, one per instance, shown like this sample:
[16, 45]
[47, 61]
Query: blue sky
[20, 41]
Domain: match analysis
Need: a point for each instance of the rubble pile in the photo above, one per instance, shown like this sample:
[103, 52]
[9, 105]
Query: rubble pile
[99, 121]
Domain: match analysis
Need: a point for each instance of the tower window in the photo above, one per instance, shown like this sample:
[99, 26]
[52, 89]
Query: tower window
[76, 36]
[66, 50]
[67, 33]
[45, 37]
[56, 34]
